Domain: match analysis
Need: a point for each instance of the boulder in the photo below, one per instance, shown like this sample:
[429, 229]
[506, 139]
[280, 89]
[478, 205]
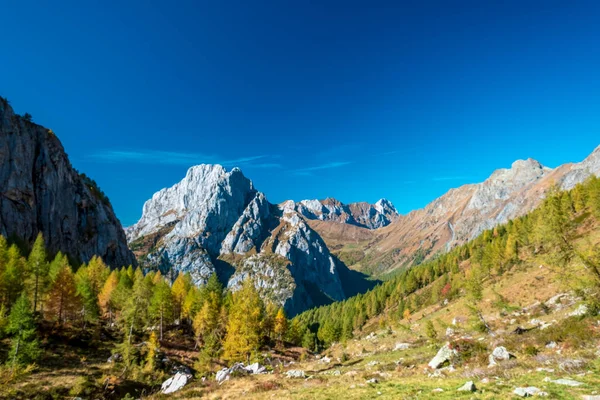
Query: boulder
[239, 369]
[529, 392]
[296, 373]
[444, 355]
[174, 383]
[402, 346]
[468, 387]
[255, 368]
[564, 381]
[499, 354]
[579, 311]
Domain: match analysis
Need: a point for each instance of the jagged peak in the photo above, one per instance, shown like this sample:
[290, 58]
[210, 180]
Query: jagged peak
[384, 203]
[520, 169]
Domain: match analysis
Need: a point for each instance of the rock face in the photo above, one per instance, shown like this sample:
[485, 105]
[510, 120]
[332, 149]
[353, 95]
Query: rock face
[370, 216]
[216, 221]
[41, 192]
[463, 213]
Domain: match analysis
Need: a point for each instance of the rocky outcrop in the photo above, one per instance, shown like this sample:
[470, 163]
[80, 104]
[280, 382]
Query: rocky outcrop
[362, 214]
[216, 221]
[41, 192]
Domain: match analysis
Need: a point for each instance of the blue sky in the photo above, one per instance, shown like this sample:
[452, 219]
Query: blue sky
[353, 100]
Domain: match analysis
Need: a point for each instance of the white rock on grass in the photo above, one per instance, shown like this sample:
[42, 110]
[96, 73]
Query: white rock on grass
[296, 374]
[499, 354]
[579, 311]
[402, 346]
[174, 383]
[445, 354]
[564, 382]
[529, 391]
[468, 387]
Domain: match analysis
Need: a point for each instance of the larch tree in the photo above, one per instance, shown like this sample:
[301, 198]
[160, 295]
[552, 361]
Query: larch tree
[38, 270]
[24, 345]
[153, 349]
[243, 337]
[207, 319]
[14, 276]
[63, 302]
[180, 288]
[161, 305]
[105, 297]
[281, 325]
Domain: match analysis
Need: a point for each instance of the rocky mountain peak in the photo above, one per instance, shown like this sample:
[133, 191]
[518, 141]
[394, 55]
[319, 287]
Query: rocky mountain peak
[214, 220]
[384, 206]
[42, 192]
[371, 216]
[209, 195]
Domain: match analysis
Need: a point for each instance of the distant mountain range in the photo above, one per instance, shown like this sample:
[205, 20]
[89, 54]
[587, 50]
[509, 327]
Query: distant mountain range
[300, 254]
[456, 217]
[214, 220]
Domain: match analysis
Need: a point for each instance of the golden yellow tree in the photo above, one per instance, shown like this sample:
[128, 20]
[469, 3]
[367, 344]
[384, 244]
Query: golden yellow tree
[206, 320]
[105, 295]
[153, 348]
[243, 337]
[180, 288]
[281, 325]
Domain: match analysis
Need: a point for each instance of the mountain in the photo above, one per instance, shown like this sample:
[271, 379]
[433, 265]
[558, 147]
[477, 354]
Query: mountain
[214, 220]
[41, 192]
[463, 213]
[362, 214]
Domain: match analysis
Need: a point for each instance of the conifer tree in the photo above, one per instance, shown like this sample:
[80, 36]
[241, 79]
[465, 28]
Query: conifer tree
[136, 310]
[63, 301]
[24, 344]
[85, 284]
[105, 297]
[122, 292]
[153, 349]
[243, 337]
[281, 325]
[161, 305]
[180, 288]
[38, 270]
[14, 276]
[192, 303]
[207, 319]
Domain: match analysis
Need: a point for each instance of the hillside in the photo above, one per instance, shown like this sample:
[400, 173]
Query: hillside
[462, 214]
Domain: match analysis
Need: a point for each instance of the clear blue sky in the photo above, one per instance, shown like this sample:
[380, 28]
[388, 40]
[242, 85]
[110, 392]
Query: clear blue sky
[357, 101]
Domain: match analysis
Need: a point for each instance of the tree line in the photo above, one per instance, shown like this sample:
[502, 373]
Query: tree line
[139, 306]
[551, 231]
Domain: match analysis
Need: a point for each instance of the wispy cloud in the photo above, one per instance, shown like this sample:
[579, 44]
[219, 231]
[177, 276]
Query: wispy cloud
[307, 171]
[179, 158]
